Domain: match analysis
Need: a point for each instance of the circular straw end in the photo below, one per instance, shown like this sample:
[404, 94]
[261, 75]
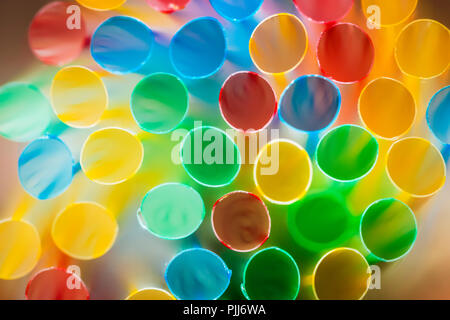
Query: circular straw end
[416, 167]
[247, 101]
[25, 113]
[236, 10]
[45, 168]
[159, 103]
[111, 156]
[422, 49]
[341, 274]
[197, 274]
[278, 44]
[210, 156]
[388, 229]
[387, 108]
[168, 6]
[438, 115]
[56, 284]
[77, 220]
[122, 44]
[198, 49]
[345, 53]
[282, 172]
[347, 153]
[57, 33]
[324, 11]
[310, 103]
[240, 221]
[271, 274]
[150, 294]
[168, 219]
[21, 249]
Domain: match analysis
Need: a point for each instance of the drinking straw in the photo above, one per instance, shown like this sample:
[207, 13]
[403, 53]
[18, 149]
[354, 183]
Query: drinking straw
[416, 166]
[282, 171]
[78, 96]
[236, 10]
[210, 157]
[56, 284]
[45, 168]
[240, 221]
[319, 221]
[388, 229]
[438, 115]
[122, 44]
[345, 53]
[167, 6]
[341, 274]
[169, 219]
[54, 37]
[325, 11]
[198, 49]
[390, 13]
[278, 44]
[387, 108]
[20, 248]
[347, 153]
[159, 103]
[310, 103]
[150, 294]
[25, 113]
[197, 274]
[101, 5]
[77, 220]
[422, 49]
[247, 101]
[111, 155]
[271, 274]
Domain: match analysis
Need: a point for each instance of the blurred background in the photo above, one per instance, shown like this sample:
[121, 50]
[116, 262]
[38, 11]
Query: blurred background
[138, 259]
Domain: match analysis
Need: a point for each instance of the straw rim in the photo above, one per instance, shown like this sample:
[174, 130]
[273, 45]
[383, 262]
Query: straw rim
[267, 215]
[163, 185]
[274, 98]
[396, 49]
[121, 2]
[360, 30]
[354, 179]
[415, 229]
[65, 148]
[363, 6]
[133, 293]
[146, 78]
[224, 57]
[102, 85]
[290, 85]
[439, 156]
[235, 147]
[138, 167]
[324, 21]
[39, 246]
[428, 116]
[94, 204]
[226, 270]
[136, 22]
[234, 19]
[244, 291]
[56, 269]
[332, 252]
[298, 147]
[406, 90]
[300, 60]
